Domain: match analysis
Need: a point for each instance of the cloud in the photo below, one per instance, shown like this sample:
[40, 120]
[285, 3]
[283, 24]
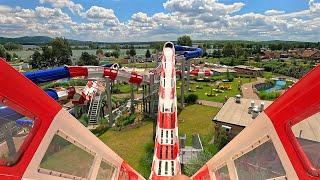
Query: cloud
[101, 14]
[5, 9]
[202, 6]
[73, 7]
[201, 19]
[273, 12]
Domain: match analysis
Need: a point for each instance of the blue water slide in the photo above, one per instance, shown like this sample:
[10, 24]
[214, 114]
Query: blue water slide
[41, 76]
[48, 75]
[7, 114]
[52, 93]
[24, 122]
[189, 52]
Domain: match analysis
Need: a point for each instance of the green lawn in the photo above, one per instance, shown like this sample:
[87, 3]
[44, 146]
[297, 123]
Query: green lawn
[142, 65]
[124, 88]
[131, 145]
[207, 86]
[197, 119]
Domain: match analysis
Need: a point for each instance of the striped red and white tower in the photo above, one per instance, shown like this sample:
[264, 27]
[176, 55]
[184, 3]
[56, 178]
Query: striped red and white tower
[166, 153]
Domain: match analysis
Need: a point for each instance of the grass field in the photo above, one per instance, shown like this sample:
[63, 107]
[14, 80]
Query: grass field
[131, 145]
[197, 119]
[207, 86]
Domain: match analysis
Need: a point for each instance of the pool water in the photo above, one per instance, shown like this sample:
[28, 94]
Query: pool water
[280, 84]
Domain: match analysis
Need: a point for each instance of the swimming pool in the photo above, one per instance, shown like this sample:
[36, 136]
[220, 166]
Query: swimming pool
[280, 84]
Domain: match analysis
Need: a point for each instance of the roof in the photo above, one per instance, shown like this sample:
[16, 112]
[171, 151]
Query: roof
[223, 70]
[249, 68]
[309, 53]
[308, 129]
[237, 114]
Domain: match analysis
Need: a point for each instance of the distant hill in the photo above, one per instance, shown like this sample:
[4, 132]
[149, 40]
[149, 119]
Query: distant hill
[38, 40]
[28, 40]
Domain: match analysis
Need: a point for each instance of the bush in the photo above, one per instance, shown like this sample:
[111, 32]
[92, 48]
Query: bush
[84, 119]
[217, 78]
[191, 98]
[268, 95]
[230, 78]
[102, 128]
[125, 120]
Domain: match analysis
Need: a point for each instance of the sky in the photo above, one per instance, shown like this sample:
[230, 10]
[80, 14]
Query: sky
[161, 20]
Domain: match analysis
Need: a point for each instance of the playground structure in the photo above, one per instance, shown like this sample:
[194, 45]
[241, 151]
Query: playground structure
[281, 143]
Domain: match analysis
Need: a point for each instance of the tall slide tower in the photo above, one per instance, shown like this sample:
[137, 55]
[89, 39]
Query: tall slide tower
[166, 150]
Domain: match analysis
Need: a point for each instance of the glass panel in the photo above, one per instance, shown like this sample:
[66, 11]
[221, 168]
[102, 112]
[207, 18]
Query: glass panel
[261, 163]
[64, 157]
[222, 173]
[14, 131]
[307, 133]
[106, 171]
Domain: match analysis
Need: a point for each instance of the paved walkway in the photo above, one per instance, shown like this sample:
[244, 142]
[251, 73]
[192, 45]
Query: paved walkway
[247, 89]
[210, 103]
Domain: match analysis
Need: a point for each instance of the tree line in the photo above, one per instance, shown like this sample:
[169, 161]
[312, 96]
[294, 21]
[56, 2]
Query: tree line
[57, 53]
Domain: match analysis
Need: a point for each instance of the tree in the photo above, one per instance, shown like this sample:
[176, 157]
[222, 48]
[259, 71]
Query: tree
[216, 54]
[238, 51]
[99, 51]
[228, 50]
[12, 46]
[8, 56]
[115, 47]
[87, 59]
[15, 56]
[132, 51]
[157, 46]
[128, 52]
[5, 54]
[148, 54]
[257, 58]
[47, 57]
[2, 52]
[184, 40]
[116, 53]
[93, 46]
[36, 60]
[62, 51]
[107, 54]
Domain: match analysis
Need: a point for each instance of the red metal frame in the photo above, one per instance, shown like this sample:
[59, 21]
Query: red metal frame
[126, 172]
[111, 73]
[298, 103]
[38, 104]
[135, 78]
[203, 173]
[76, 71]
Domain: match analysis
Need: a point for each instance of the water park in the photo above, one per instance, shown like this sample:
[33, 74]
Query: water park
[94, 112]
